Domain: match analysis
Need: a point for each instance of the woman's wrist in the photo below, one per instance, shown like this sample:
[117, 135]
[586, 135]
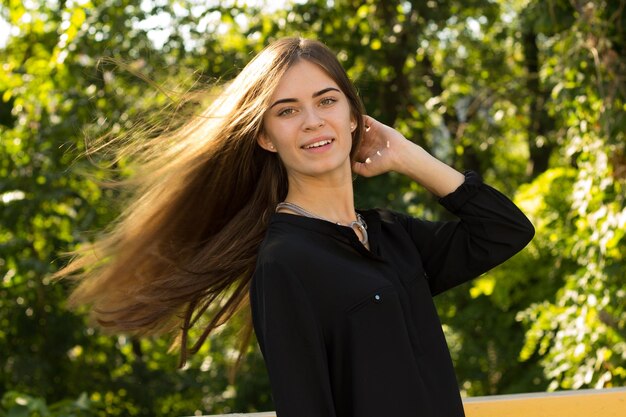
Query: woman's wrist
[423, 168]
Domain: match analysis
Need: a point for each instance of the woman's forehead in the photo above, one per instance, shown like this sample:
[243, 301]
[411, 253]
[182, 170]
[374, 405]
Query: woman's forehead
[303, 79]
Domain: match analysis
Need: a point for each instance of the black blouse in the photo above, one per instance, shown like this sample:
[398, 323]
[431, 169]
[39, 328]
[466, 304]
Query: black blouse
[351, 332]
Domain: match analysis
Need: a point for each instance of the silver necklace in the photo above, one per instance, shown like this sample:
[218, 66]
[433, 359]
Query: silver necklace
[359, 223]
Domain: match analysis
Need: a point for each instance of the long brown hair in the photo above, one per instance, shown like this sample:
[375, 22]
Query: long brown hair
[187, 242]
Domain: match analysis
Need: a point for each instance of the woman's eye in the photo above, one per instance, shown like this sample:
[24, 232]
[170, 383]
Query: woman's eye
[327, 101]
[286, 112]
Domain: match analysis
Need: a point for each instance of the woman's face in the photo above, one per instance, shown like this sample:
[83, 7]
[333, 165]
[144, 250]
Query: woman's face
[309, 123]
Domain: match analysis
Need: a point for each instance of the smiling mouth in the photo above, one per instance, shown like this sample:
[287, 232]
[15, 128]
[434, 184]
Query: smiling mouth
[319, 144]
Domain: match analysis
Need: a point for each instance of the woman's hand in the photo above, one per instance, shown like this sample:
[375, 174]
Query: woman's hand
[384, 149]
[380, 149]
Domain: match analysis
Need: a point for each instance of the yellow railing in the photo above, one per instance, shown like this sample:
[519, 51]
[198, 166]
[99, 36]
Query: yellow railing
[582, 403]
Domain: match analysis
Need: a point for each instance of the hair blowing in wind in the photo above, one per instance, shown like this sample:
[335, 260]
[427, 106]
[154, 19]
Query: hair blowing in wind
[185, 247]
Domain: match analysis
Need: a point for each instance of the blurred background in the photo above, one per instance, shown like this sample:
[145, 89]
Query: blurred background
[530, 93]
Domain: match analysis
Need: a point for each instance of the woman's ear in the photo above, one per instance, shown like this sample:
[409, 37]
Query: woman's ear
[265, 143]
[353, 123]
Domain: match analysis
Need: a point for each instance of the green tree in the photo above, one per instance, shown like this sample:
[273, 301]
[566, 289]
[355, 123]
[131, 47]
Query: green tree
[579, 332]
[54, 95]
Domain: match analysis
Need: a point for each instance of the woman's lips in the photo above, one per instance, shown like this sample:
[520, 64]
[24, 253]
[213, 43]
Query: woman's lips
[318, 144]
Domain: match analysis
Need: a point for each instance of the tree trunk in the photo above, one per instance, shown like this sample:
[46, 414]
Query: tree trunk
[540, 145]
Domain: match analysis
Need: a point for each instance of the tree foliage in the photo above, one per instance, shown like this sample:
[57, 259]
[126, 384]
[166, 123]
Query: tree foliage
[530, 93]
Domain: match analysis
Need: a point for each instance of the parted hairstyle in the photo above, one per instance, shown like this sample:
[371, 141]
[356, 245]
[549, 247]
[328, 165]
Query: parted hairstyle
[185, 246]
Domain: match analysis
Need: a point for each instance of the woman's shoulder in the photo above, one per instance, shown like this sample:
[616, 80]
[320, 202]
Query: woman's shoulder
[281, 236]
[385, 216]
[285, 241]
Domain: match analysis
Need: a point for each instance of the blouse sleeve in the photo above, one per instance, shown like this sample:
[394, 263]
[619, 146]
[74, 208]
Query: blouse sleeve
[489, 231]
[292, 343]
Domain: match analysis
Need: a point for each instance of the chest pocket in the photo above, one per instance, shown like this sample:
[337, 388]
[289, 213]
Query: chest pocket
[374, 298]
[378, 320]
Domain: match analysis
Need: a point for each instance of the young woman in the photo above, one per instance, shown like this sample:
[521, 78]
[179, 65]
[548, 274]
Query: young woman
[255, 197]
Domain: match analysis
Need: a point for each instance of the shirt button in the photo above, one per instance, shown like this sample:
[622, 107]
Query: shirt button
[377, 298]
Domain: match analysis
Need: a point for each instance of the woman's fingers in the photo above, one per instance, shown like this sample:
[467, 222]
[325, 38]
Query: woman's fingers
[377, 150]
[374, 163]
[374, 156]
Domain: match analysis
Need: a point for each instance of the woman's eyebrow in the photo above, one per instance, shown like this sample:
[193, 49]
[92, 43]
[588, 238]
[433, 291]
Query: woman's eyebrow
[324, 91]
[295, 100]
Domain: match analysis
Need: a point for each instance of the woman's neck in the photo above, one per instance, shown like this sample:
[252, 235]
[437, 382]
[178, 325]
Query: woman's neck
[332, 199]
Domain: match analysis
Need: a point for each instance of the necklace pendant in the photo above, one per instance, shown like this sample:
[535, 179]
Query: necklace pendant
[362, 228]
[359, 223]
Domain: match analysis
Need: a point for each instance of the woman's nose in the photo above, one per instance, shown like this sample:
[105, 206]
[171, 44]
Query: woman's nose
[313, 120]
